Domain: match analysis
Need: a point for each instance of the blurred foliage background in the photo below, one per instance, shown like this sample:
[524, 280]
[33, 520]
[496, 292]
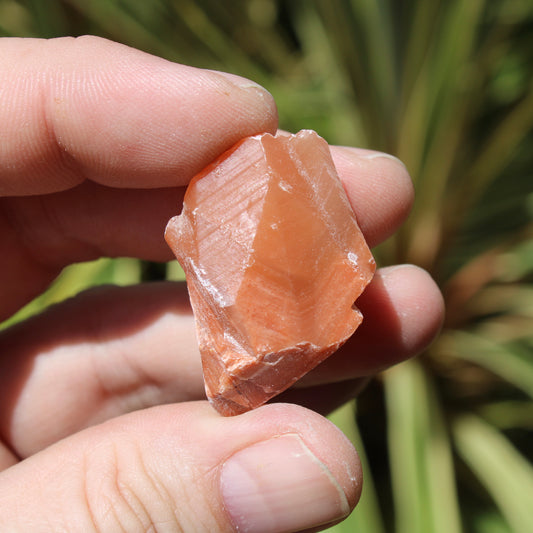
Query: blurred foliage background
[445, 85]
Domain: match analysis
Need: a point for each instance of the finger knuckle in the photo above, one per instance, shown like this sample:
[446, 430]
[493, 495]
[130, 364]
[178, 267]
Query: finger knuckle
[121, 493]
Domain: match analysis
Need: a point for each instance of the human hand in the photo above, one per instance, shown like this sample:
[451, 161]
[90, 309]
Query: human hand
[97, 144]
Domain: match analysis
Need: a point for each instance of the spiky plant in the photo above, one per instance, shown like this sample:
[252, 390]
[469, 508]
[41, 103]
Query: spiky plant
[447, 87]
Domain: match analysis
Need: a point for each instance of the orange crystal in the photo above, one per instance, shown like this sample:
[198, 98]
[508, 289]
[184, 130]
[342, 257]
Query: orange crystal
[274, 261]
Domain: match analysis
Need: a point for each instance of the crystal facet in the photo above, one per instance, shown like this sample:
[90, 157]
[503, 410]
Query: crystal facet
[274, 261]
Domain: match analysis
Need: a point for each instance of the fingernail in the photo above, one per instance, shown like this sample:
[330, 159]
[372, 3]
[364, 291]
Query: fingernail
[369, 155]
[381, 155]
[239, 81]
[389, 271]
[279, 485]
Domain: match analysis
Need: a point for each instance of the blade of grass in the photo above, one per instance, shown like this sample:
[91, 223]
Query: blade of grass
[508, 414]
[15, 19]
[508, 261]
[367, 515]
[376, 24]
[78, 277]
[517, 263]
[419, 36]
[510, 362]
[49, 17]
[350, 40]
[491, 522]
[504, 472]
[252, 27]
[435, 122]
[494, 155]
[221, 45]
[437, 88]
[421, 461]
[175, 272]
[112, 19]
[343, 124]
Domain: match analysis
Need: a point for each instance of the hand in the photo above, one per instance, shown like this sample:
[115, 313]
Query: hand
[97, 144]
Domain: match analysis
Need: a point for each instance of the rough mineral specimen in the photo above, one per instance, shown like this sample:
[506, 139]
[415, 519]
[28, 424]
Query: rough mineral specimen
[274, 261]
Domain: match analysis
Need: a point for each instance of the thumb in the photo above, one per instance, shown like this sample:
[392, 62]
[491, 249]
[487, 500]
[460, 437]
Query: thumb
[279, 468]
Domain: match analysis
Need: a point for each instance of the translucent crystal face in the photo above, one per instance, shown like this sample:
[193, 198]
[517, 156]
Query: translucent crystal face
[274, 262]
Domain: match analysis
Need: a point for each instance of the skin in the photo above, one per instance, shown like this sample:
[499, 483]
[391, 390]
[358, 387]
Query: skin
[97, 145]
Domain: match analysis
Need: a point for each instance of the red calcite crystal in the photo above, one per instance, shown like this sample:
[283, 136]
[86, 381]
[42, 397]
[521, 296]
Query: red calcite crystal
[274, 261]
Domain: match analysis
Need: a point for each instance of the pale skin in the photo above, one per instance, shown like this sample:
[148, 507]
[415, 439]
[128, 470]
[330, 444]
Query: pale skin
[103, 423]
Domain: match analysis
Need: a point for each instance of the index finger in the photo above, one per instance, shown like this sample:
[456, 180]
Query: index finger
[379, 188]
[88, 108]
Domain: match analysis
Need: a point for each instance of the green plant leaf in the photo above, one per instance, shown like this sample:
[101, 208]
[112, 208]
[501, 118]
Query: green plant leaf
[78, 277]
[367, 514]
[503, 471]
[421, 460]
[509, 361]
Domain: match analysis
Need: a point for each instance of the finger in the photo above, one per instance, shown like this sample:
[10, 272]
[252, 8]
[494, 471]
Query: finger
[279, 468]
[324, 399]
[7, 457]
[91, 221]
[90, 108]
[109, 350]
[379, 189]
[112, 350]
[74, 225]
[403, 311]
[40, 235]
